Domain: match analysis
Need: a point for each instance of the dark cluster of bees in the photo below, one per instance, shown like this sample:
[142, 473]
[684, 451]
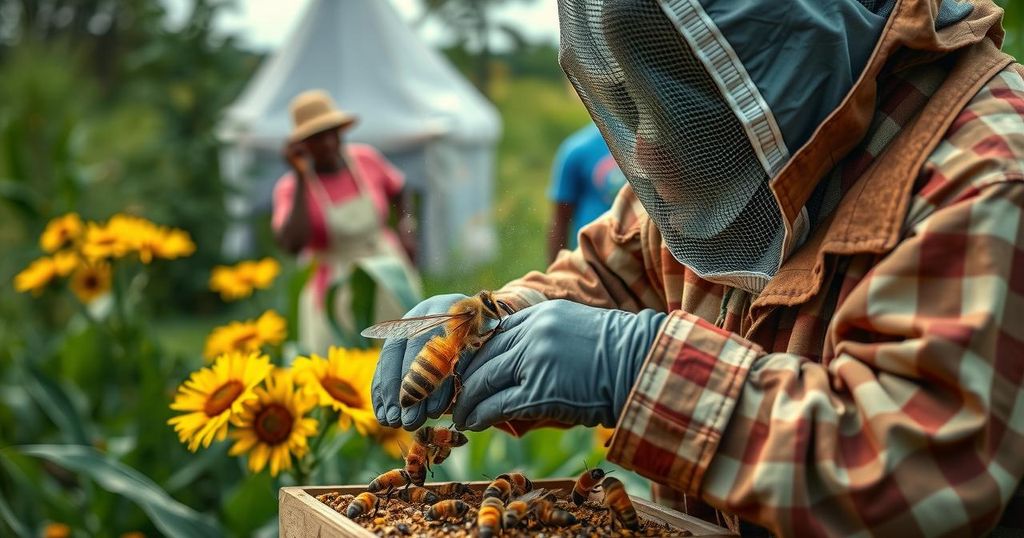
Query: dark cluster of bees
[509, 502]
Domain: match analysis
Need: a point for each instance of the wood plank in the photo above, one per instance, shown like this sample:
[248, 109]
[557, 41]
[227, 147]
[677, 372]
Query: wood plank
[302, 515]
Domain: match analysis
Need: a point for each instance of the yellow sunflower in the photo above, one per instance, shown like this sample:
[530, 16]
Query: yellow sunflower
[246, 336]
[61, 231]
[342, 382]
[111, 240]
[174, 243]
[239, 281]
[213, 395]
[260, 273]
[271, 328]
[65, 262]
[152, 241]
[274, 427]
[90, 281]
[36, 276]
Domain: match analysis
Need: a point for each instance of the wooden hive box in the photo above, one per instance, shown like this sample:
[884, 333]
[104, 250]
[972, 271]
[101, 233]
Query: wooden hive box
[303, 516]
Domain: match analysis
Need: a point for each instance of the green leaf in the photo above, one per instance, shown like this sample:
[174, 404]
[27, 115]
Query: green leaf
[168, 515]
[388, 273]
[196, 466]
[345, 337]
[364, 299]
[251, 504]
[296, 283]
[20, 197]
[7, 516]
[52, 399]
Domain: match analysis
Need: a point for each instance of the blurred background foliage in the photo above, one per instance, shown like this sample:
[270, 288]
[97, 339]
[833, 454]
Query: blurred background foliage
[106, 108]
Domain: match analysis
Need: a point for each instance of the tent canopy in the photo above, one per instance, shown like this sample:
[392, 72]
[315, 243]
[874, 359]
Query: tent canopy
[373, 64]
[412, 104]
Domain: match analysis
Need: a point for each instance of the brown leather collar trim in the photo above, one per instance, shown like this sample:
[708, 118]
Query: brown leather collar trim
[870, 216]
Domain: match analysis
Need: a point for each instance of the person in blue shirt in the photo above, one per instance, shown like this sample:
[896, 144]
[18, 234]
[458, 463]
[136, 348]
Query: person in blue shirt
[584, 182]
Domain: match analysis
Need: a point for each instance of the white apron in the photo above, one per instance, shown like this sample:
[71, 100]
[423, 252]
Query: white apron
[353, 233]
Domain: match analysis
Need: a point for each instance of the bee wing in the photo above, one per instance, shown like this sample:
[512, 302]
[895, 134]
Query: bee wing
[533, 495]
[408, 327]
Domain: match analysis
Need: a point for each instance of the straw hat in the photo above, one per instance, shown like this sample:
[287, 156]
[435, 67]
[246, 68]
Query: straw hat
[314, 111]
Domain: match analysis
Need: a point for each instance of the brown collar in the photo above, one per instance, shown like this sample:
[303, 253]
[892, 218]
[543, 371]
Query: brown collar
[871, 214]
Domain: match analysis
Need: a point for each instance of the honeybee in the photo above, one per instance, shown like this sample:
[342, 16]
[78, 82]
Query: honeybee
[417, 463]
[452, 489]
[440, 437]
[543, 508]
[619, 506]
[520, 484]
[361, 505]
[500, 488]
[449, 509]
[416, 494]
[585, 484]
[515, 513]
[439, 454]
[463, 329]
[490, 517]
[387, 482]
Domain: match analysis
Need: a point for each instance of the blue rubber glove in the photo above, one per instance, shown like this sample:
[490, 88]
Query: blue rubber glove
[395, 359]
[557, 361]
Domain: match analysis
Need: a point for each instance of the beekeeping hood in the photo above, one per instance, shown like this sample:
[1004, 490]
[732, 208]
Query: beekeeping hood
[703, 102]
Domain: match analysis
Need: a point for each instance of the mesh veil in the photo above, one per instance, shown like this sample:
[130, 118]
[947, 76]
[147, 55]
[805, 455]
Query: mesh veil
[683, 147]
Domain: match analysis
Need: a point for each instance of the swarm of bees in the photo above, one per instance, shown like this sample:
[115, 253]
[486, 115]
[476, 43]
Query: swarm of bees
[464, 329]
[509, 502]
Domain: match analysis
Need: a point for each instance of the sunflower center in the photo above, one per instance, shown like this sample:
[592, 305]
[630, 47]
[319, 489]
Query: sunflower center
[273, 424]
[222, 398]
[342, 391]
[91, 282]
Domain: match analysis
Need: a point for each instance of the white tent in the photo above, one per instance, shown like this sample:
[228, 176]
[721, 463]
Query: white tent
[413, 106]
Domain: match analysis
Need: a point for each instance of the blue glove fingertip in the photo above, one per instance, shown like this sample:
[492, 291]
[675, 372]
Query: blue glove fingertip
[394, 416]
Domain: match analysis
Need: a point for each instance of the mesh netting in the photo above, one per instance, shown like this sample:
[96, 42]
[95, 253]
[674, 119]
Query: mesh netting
[683, 149]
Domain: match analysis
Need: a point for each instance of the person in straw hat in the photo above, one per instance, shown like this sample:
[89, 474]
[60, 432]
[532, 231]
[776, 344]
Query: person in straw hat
[333, 207]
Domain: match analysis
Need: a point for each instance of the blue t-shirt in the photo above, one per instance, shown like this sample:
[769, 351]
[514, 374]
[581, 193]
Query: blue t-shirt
[585, 175]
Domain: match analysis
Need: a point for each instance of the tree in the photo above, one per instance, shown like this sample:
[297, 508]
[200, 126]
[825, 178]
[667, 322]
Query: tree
[472, 26]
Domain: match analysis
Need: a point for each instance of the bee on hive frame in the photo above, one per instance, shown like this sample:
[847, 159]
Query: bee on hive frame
[449, 509]
[585, 484]
[389, 481]
[619, 506]
[490, 516]
[416, 494]
[463, 329]
[520, 484]
[518, 509]
[361, 505]
[500, 488]
[542, 506]
[452, 489]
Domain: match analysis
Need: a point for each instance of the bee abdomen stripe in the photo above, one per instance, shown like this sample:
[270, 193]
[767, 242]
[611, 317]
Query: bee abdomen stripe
[418, 379]
[430, 368]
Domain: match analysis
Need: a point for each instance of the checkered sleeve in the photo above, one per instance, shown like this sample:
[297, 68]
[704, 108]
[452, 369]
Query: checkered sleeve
[614, 266]
[917, 423]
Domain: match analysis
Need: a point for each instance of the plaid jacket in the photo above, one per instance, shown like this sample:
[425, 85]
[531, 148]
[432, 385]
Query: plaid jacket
[887, 398]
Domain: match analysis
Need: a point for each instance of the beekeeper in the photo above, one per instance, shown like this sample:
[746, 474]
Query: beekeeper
[805, 308]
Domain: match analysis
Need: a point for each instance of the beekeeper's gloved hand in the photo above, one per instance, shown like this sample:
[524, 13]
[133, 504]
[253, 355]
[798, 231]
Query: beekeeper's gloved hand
[395, 359]
[557, 361]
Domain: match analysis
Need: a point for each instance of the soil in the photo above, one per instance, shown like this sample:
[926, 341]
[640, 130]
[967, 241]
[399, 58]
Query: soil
[398, 518]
